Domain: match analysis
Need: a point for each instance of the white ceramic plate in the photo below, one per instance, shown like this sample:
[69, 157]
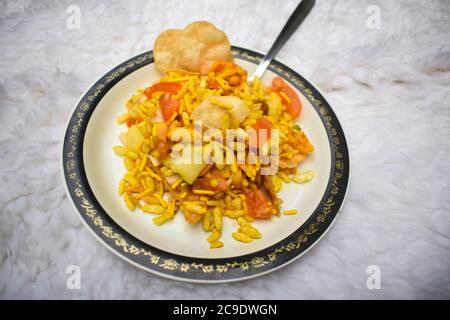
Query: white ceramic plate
[176, 249]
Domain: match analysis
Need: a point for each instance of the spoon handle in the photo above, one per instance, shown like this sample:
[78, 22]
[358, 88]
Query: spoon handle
[297, 17]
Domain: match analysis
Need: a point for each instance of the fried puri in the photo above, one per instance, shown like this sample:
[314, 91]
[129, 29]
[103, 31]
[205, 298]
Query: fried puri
[193, 49]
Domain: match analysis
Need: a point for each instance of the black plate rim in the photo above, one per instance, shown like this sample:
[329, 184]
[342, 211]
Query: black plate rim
[189, 269]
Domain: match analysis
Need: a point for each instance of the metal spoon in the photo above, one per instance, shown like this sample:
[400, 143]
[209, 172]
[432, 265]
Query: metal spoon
[297, 17]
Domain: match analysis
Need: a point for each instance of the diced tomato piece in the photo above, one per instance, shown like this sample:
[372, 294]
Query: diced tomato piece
[257, 205]
[263, 124]
[295, 106]
[278, 83]
[219, 66]
[220, 183]
[130, 123]
[163, 150]
[213, 84]
[168, 87]
[191, 217]
[168, 105]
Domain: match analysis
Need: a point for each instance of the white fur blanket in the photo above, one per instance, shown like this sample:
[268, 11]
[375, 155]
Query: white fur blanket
[389, 86]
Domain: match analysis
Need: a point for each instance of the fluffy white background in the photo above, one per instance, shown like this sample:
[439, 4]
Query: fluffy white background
[390, 88]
